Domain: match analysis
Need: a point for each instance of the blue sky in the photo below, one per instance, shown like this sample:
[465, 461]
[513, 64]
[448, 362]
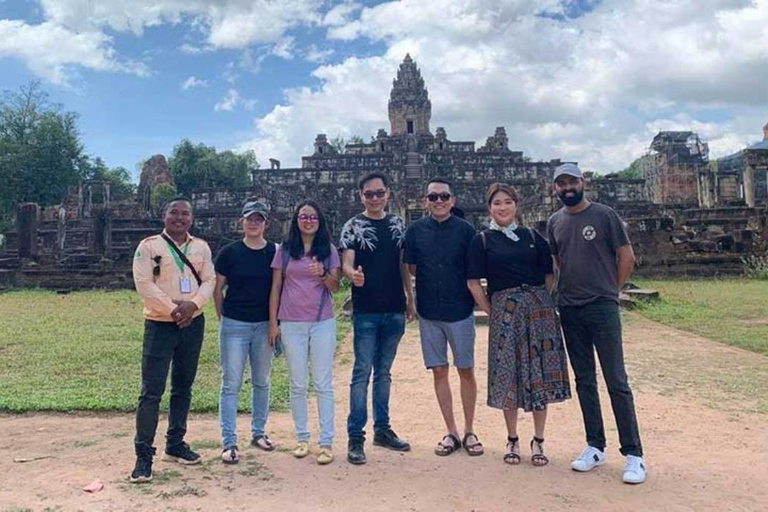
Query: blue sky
[579, 80]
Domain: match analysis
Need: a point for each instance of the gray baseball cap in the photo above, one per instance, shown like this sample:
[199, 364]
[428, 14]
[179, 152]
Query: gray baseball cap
[252, 207]
[569, 169]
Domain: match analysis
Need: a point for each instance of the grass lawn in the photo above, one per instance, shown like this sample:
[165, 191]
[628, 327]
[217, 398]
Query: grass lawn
[731, 311]
[82, 351]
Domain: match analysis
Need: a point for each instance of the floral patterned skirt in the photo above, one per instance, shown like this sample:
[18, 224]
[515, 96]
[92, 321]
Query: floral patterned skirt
[527, 363]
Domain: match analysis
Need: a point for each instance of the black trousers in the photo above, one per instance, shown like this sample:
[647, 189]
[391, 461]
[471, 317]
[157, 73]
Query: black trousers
[166, 347]
[597, 327]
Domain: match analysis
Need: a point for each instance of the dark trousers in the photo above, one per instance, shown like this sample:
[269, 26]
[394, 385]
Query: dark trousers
[597, 327]
[166, 347]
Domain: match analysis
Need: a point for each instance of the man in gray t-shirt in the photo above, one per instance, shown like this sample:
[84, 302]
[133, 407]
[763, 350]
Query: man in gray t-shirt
[594, 258]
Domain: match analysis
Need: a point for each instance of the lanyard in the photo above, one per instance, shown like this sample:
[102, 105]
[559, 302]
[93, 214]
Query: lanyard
[176, 258]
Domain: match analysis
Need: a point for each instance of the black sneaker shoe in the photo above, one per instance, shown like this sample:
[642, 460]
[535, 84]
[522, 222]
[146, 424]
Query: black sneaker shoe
[356, 453]
[182, 454]
[142, 471]
[388, 439]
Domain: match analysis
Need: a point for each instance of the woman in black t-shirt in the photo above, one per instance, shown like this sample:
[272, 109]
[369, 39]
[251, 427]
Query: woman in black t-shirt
[243, 267]
[527, 365]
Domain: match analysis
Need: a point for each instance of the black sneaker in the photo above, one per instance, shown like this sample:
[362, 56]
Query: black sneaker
[356, 453]
[388, 439]
[182, 454]
[142, 471]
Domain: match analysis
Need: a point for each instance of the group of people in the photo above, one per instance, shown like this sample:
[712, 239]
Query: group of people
[278, 298]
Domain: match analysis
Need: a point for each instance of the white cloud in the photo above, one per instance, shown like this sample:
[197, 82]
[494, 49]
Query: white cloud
[284, 48]
[314, 54]
[191, 49]
[233, 99]
[51, 51]
[340, 14]
[192, 82]
[589, 88]
[224, 23]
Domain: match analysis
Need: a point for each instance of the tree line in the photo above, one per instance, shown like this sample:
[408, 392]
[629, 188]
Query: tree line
[42, 157]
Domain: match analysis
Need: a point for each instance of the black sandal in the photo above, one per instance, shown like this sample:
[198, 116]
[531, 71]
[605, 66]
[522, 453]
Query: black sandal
[538, 459]
[511, 457]
[445, 449]
[262, 442]
[473, 449]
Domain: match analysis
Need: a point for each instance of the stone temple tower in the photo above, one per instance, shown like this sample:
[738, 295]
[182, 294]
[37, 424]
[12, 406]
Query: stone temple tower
[409, 105]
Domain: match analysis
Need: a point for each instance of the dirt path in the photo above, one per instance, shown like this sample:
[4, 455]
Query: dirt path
[706, 441]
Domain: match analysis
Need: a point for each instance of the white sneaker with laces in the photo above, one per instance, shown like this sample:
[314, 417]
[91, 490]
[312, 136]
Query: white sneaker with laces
[589, 459]
[634, 470]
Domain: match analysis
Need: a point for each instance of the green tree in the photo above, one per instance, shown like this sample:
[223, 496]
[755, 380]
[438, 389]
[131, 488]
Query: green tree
[120, 185]
[161, 194]
[41, 156]
[633, 171]
[196, 166]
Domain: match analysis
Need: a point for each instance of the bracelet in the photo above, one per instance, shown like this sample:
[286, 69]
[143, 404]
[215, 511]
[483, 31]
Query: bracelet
[324, 274]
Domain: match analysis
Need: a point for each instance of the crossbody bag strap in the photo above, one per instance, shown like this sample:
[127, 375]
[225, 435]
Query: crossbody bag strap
[326, 293]
[183, 258]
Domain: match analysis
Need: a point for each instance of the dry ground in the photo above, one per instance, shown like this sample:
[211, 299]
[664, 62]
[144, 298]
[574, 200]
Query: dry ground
[702, 409]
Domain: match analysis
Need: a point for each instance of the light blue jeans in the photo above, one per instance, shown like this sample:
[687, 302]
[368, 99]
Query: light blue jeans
[238, 342]
[316, 342]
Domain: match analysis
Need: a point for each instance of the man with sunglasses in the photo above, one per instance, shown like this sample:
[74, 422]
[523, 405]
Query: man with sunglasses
[435, 250]
[382, 299]
[174, 275]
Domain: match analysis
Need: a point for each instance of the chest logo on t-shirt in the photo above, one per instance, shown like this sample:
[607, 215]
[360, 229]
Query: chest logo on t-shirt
[589, 233]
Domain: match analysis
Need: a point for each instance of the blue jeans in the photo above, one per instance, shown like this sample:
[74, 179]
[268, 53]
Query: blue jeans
[376, 338]
[316, 342]
[238, 342]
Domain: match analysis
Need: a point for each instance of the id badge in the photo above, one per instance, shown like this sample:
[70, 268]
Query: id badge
[185, 285]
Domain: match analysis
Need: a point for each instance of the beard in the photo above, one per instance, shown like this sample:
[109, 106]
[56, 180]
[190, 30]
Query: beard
[573, 200]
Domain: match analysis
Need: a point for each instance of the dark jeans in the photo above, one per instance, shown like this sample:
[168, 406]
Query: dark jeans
[597, 326]
[165, 343]
[375, 342]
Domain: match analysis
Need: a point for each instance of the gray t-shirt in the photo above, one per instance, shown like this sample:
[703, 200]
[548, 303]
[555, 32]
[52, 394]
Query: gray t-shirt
[586, 243]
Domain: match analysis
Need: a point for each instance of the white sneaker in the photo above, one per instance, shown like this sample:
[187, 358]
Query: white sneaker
[634, 470]
[589, 459]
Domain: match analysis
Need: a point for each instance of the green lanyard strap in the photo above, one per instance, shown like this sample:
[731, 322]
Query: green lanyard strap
[176, 257]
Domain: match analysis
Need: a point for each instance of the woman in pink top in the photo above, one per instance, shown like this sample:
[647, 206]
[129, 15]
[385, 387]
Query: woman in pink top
[305, 274]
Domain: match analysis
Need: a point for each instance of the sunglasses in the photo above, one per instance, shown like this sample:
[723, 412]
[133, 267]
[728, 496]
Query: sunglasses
[308, 218]
[370, 194]
[156, 268]
[444, 197]
[255, 219]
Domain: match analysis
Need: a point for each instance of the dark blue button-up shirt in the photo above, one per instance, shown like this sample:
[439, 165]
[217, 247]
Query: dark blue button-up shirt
[439, 251]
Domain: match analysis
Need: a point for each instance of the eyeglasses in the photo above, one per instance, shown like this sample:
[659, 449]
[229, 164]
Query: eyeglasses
[308, 218]
[444, 197]
[370, 194]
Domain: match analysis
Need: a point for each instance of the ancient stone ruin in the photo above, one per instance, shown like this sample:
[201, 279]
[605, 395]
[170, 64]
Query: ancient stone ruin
[687, 215]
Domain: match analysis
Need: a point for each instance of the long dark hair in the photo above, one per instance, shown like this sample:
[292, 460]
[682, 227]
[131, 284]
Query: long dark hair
[321, 244]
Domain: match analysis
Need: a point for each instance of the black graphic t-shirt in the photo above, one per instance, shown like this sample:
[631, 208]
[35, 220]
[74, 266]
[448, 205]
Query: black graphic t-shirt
[249, 280]
[377, 245]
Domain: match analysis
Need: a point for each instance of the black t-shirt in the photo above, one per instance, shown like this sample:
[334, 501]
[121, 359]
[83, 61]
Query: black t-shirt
[506, 263]
[249, 280]
[377, 245]
[439, 251]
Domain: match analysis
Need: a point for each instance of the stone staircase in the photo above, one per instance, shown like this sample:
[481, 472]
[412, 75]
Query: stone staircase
[414, 170]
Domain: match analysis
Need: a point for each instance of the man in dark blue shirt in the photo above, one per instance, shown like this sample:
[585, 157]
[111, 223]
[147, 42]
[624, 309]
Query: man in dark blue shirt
[435, 251]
